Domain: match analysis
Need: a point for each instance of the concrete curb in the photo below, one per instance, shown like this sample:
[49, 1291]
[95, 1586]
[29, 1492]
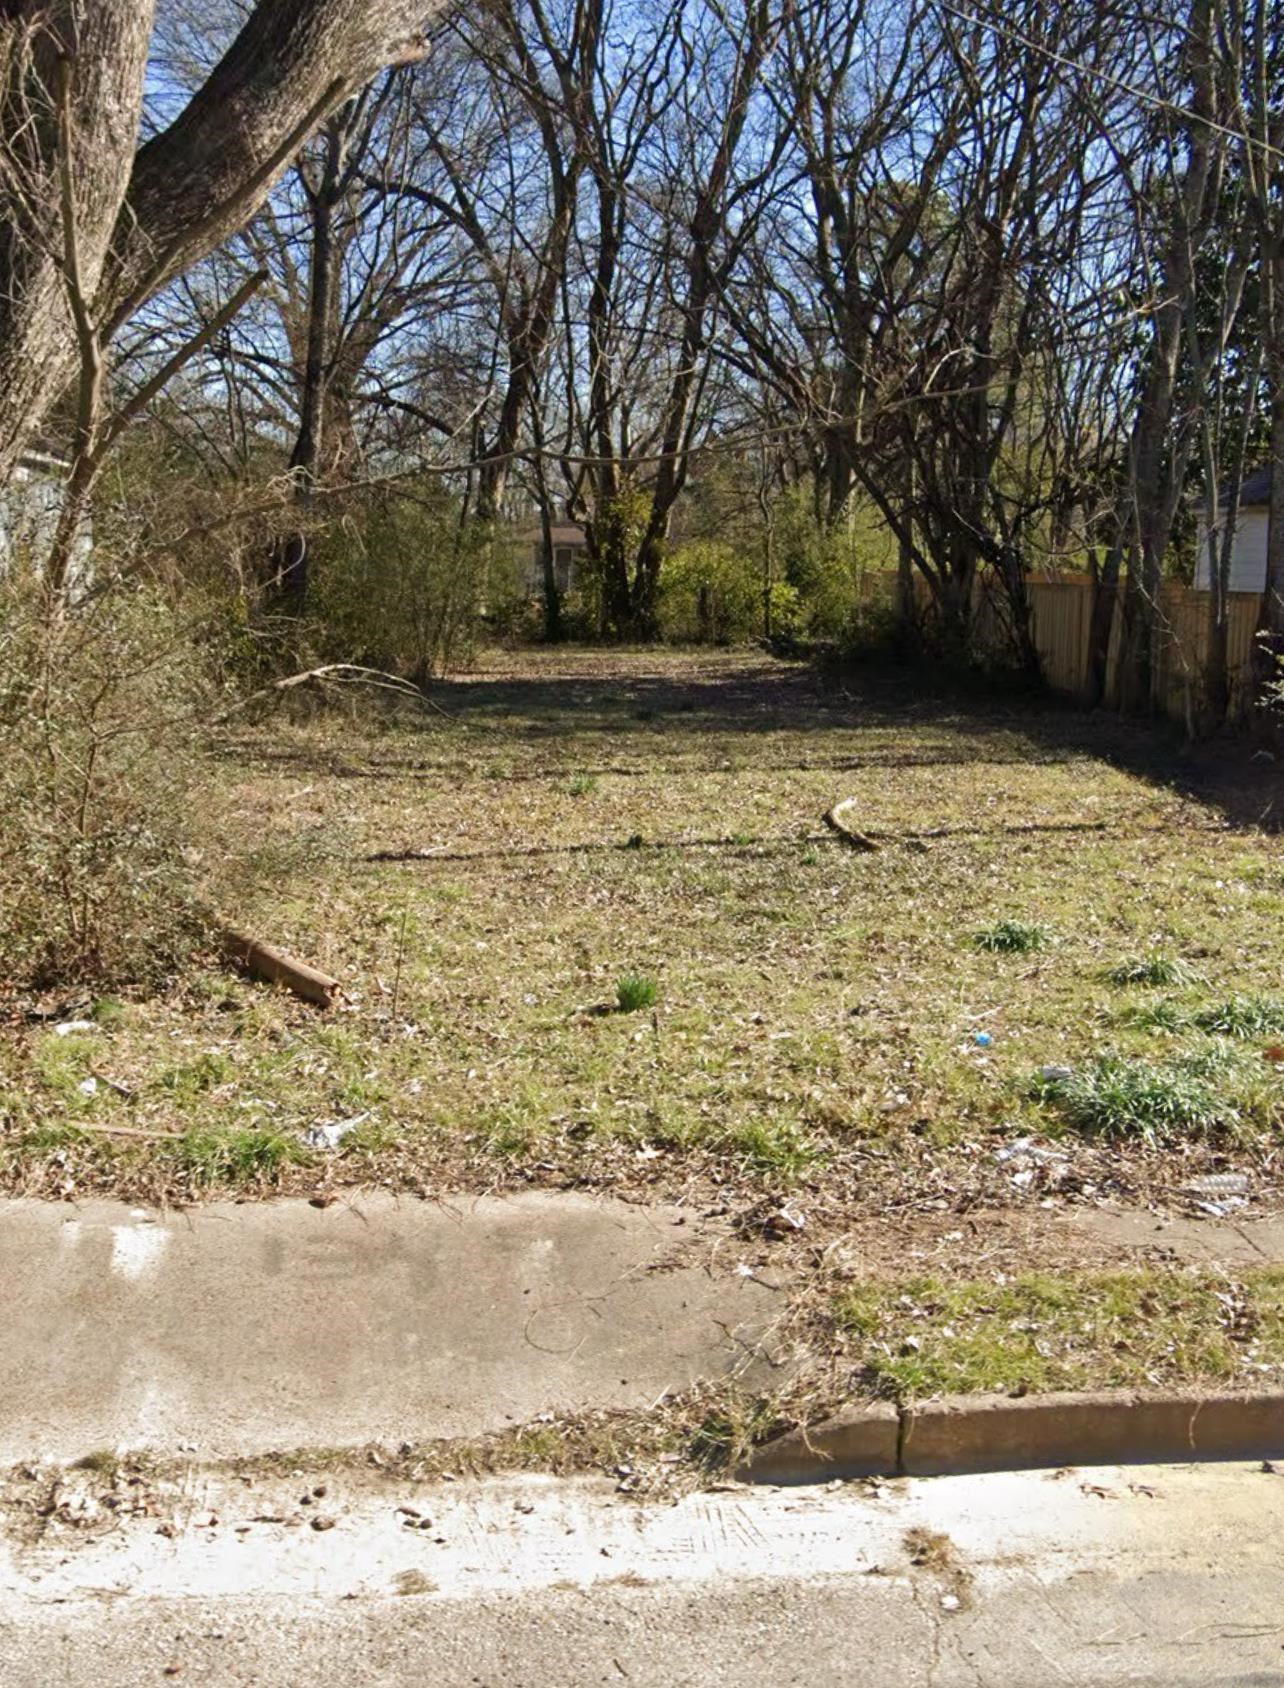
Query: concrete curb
[977, 1433]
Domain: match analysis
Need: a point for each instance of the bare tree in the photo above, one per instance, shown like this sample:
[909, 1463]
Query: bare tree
[922, 263]
[669, 129]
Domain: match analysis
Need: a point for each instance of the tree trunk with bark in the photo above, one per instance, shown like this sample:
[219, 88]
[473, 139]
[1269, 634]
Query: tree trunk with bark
[290, 553]
[145, 216]
[1268, 647]
[1105, 597]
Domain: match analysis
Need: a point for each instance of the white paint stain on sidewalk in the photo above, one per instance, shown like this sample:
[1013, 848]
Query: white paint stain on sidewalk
[135, 1249]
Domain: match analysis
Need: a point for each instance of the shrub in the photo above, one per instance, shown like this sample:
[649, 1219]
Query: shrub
[713, 593]
[839, 573]
[98, 706]
[399, 585]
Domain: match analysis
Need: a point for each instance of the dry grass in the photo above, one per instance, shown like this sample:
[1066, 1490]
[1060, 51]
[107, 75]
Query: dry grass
[823, 1019]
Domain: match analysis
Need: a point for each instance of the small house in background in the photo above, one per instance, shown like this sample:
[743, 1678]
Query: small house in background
[569, 548]
[29, 509]
[1248, 551]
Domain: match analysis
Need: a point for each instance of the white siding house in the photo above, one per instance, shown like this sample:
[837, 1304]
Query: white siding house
[569, 546]
[29, 509]
[1248, 553]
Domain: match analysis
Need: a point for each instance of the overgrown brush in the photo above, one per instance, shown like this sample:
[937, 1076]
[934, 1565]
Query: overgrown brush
[98, 706]
[400, 585]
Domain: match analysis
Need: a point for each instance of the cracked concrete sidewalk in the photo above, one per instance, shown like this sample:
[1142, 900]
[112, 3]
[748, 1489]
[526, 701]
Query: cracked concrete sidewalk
[240, 1329]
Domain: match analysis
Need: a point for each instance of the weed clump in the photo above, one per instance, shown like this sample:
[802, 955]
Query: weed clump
[1013, 937]
[1203, 1095]
[633, 992]
[1154, 969]
[1240, 1016]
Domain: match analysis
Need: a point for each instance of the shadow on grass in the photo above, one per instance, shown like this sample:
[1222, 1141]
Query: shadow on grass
[665, 712]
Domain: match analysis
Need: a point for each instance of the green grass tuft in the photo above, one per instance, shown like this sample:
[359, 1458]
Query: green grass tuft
[1165, 1015]
[1243, 1016]
[780, 1147]
[1238, 1016]
[1153, 969]
[724, 1439]
[193, 1078]
[249, 1156]
[1012, 937]
[582, 785]
[633, 991]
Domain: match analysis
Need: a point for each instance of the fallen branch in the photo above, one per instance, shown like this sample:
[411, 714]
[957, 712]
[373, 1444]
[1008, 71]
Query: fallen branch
[123, 1130]
[337, 673]
[265, 961]
[837, 819]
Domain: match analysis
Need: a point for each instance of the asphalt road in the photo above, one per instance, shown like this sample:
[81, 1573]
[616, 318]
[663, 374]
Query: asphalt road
[1164, 1576]
[1165, 1629]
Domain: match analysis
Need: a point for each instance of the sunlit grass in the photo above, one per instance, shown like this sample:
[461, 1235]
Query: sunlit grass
[1040, 1331]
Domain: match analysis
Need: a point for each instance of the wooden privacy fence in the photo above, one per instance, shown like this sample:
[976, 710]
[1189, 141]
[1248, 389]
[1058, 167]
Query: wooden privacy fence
[1060, 615]
[1061, 618]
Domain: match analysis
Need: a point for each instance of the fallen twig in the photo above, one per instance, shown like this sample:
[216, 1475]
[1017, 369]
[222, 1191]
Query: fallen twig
[343, 673]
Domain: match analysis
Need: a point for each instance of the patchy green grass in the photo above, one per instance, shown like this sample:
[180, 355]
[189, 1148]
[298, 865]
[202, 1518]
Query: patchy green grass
[1243, 1015]
[1211, 1093]
[1013, 937]
[820, 1007]
[1040, 1331]
[210, 1160]
[1155, 969]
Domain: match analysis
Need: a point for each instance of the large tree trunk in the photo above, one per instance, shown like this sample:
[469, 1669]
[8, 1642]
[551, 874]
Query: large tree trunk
[1268, 647]
[1158, 457]
[1105, 597]
[145, 216]
[106, 45]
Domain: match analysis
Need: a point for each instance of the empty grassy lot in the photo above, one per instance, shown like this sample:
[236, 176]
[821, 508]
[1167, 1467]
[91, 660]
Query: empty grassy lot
[593, 930]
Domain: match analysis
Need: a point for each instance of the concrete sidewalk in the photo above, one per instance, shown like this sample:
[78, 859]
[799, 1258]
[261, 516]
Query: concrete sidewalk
[256, 1327]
